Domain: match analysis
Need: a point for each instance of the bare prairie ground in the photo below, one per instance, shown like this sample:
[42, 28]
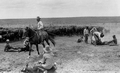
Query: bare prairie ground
[72, 57]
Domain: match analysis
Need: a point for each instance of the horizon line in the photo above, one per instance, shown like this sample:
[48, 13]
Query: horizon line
[59, 17]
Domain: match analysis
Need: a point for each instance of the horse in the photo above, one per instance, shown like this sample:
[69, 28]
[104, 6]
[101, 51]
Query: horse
[37, 37]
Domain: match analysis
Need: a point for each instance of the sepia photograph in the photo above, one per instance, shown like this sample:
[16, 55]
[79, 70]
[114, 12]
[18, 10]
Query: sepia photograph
[59, 36]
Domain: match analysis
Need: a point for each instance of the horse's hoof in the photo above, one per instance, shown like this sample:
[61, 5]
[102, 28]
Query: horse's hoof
[29, 57]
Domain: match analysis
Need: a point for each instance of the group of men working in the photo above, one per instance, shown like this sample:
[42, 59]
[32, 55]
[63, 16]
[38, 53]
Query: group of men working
[9, 48]
[46, 63]
[96, 37]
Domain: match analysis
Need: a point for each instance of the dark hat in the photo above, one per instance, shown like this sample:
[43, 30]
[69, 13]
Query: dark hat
[101, 35]
[7, 40]
[114, 36]
[38, 17]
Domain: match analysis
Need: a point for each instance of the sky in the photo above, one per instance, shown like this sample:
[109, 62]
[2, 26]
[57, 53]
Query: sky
[58, 8]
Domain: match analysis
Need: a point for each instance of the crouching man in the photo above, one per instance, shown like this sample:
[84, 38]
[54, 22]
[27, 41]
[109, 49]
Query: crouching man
[112, 42]
[96, 38]
[80, 39]
[26, 44]
[46, 63]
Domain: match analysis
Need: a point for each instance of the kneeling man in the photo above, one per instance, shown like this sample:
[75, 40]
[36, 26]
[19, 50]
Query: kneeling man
[47, 62]
[96, 38]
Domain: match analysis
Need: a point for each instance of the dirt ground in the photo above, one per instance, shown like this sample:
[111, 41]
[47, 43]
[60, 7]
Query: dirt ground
[71, 57]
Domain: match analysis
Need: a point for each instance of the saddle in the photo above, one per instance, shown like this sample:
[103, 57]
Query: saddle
[39, 35]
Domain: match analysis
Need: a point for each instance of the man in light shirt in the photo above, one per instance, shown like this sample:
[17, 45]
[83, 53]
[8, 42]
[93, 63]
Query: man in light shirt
[96, 38]
[91, 33]
[86, 34]
[39, 23]
[47, 62]
[93, 30]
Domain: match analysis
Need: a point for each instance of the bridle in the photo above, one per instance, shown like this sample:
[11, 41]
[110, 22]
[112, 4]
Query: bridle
[33, 35]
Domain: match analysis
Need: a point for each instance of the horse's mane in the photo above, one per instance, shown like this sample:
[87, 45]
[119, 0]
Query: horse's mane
[30, 30]
[33, 31]
[51, 35]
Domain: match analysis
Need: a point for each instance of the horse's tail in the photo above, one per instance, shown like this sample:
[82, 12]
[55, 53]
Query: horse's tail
[50, 34]
[51, 39]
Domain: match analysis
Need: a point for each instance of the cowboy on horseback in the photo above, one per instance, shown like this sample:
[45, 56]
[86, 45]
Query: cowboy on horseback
[39, 23]
[40, 27]
[36, 38]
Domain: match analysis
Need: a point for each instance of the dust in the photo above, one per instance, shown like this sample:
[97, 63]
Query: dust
[71, 57]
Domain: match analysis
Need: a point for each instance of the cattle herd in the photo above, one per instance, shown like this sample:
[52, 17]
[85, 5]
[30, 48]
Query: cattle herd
[15, 34]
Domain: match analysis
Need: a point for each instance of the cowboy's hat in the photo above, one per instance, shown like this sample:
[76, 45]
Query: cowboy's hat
[38, 17]
[0, 36]
[7, 40]
[47, 49]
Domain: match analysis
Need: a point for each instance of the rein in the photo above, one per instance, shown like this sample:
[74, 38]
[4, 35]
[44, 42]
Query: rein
[33, 35]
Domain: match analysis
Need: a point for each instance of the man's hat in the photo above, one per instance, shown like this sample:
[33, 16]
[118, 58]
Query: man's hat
[38, 17]
[0, 36]
[101, 35]
[47, 49]
[7, 40]
[114, 36]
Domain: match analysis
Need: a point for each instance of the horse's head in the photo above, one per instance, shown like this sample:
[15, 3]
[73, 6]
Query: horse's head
[27, 32]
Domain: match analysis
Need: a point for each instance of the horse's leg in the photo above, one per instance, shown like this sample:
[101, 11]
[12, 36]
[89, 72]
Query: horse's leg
[43, 44]
[47, 42]
[37, 49]
[53, 42]
[30, 49]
